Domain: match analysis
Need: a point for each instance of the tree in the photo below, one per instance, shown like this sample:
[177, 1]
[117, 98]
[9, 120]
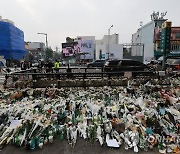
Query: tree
[49, 53]
[57, 55]
[69, 40]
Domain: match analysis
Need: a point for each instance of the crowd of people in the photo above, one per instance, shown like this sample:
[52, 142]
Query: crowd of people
[48, 65]
[26, 65]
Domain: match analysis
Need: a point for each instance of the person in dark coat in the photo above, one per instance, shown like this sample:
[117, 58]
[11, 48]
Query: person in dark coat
[49, 66]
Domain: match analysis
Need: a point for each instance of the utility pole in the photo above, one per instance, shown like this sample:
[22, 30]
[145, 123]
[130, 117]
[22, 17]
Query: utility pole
[46, 39]
[108, 52]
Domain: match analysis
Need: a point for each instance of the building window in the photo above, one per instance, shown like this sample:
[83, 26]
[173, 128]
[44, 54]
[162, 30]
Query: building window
[156, 24]
[159, 36]
[100, 54]
[177, 35]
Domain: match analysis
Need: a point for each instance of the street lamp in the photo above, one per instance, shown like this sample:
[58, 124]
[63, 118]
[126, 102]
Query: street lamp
[108, 42]
[46, 39]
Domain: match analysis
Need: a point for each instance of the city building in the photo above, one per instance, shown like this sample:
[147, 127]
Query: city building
[12, 45]
[109, 49]
[36, 50]
[174, 41]
[148, 37]
[82, 38]
[85, 49]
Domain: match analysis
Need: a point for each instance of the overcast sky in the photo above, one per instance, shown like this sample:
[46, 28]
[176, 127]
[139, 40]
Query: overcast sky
[62, 18]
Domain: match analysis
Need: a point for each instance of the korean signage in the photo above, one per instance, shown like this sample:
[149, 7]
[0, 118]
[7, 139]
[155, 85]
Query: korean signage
[166, 37]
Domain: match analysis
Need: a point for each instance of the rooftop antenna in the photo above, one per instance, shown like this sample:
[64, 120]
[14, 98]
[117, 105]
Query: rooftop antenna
[141, 24]
[158, 16]
[163, 14]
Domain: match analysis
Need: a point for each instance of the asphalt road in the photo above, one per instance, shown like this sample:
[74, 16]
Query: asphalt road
[81, 147]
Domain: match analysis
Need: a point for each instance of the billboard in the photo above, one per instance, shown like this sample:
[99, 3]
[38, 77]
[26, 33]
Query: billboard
[70, 49]
[85, 48]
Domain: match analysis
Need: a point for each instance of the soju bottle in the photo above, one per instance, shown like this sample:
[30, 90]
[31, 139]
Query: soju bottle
[32, 144]
[54, 132]
[61, 135]
[17, 141]
[73, 119]
[37, 141]
[93, 120]
[100, 121]
[141, 142]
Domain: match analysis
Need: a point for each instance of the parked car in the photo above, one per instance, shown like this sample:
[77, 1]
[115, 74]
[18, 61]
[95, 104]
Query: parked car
[96, 63]
[125, 65]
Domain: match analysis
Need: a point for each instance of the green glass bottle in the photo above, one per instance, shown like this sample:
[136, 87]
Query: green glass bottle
[37, 140]
[141, 142]
[17, 141]
[54, 132]
[100, 121]
[32, 144]
[93, 120]
[74, 121]
[61, 135]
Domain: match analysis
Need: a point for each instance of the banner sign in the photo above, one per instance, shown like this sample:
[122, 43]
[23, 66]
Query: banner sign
[87, 48]
[83, 47]
[70, 49]
[166, 37]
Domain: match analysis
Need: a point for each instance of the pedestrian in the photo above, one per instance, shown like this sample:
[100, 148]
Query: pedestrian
[69, 75]
[23, 65]
[40, 65]
[29, 64]
[49, 66]
[57, 65]
[15, 68]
